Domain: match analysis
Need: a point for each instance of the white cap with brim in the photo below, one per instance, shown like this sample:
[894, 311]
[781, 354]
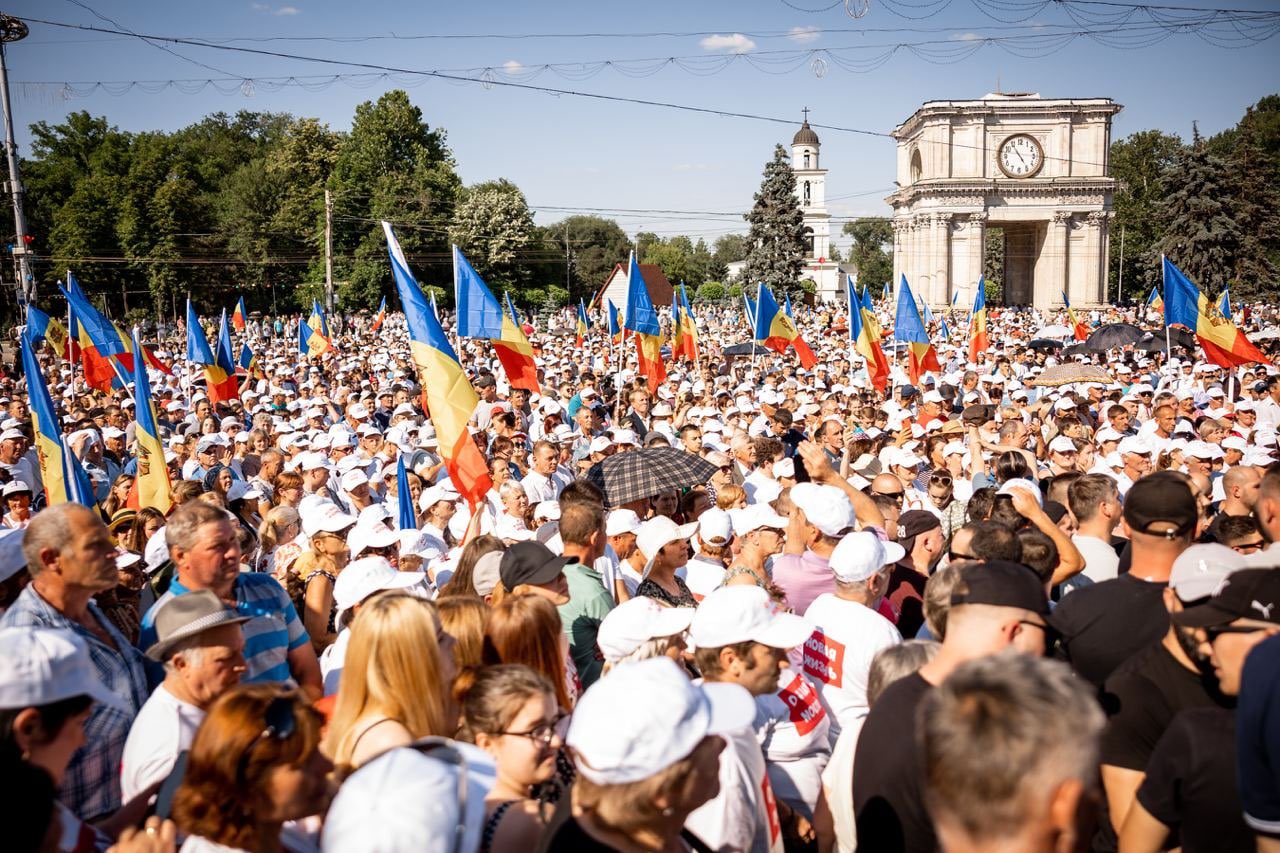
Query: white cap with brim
[12, 560]
[40, 666]
[675, 716]
[156, 554]
[1201, 570]
[825, 507]
[736, 614]
[637, 621]
[621, 521]
[860, 555]
[363, 577]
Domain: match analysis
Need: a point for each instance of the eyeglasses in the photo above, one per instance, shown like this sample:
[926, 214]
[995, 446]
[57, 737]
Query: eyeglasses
[952, 556]
[281, 723]
[1248, 547]
[543, 733]
[875, 494]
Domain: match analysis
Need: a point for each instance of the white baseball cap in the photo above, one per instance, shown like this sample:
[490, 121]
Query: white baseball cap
[860, 555]
[715, 527]
[825, 507]
[40, 666]
[1134, 444]
[441, 491]
[659, 531]
[354, 479]
[736, 614]
[675, 716]
[1199, 571]
[371, 535]
[310, 461]
[323, 516]
[1062, 444]
[621, 521]
[755, 517]
[636, 621]
[367, 575]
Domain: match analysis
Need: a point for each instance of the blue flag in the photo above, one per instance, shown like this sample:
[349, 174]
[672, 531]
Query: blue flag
[614, 326]
[907, 325]
[404, 500]
[787, 306]
[1224, 306]
[928, 315]
[641, 316]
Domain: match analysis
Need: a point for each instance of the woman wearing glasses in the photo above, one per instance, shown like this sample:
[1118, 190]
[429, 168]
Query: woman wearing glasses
[255, 765]
[510, 712]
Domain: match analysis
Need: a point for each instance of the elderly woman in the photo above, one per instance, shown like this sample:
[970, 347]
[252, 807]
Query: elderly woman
[17, 505]
[512, 521]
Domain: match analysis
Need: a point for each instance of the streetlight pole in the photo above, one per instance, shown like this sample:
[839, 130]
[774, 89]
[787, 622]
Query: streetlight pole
[11, 30]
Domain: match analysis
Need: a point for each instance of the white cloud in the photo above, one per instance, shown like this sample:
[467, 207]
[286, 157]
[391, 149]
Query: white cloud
[278, 11]
[804, 35]
[967, 37]
[512, 66]
[736, 43]
[287, 10]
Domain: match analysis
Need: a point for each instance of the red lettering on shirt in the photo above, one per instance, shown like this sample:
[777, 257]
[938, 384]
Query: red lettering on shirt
[802, 704]
[824, 658]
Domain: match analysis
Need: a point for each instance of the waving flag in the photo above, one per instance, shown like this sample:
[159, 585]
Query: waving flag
[434, 309]
[380, 316]
[1154, 300]
[978, 340]
[405, 516]
[45, 428]
[450, 398]
[908, 327]
[151, 486]
[778, 331]
[244, 364]
[616, 332]
[100, 341]
[884, 294]
[1223, 343]
[874, 330]
[584, 325]
[480, 316]
[1081, 329]
[642, 319]
[313, 335]
[42, 327]
[1224, 305]
[79, 485]
[220, 382]
[238, 315]
[956, 296]
[928, 314]
[750, 308]
[786, 304]
[944, 330]
[318, 320]
[688, 328]
[864, 342]
[227, 388]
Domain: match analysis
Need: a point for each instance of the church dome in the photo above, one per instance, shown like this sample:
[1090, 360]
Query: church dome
[805, 135]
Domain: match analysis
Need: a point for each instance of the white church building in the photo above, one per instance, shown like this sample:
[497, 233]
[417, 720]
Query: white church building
[811, 190]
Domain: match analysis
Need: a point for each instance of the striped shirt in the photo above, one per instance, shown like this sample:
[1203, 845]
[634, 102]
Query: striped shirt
[91, 786]
[273, 629]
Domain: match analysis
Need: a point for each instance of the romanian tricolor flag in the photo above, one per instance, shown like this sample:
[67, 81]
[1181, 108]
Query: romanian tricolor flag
[869, 318]
[685, 328]
[978, 340]
[151, 484]
[238, 315]
[450, 398]
[1154, 300]
[642, 318]
[45, 428]
[220, 381]
[1081, 329]
[230, 388]
[867, 344]
[380, 316]
[100, 341]
[584, 325]
[777, 331]
[480, 316]
[908, 327]
[1224, 344]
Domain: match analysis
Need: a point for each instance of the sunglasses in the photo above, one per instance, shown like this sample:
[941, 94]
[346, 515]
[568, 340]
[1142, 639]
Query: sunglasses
[886, 494]
[941, 479]
[1217, 631]
[1248, 547]
[281, 723]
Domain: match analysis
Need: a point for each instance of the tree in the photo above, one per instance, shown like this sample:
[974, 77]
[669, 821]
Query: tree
[1256, 209]
[596, 245]
[671, 257]
[870, 252]
[710, 291]
[1141, 164]
[493, 227]
[1201, 236]
[993, 264]
[776, 239]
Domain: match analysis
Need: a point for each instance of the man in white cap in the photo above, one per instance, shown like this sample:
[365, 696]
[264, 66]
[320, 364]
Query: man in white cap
[820, 516]
[742, 638]
[13, 443]
[849, 631]
[619, 576]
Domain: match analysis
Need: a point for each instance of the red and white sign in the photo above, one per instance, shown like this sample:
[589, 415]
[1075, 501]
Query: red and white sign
[802, 703]
[824, 658]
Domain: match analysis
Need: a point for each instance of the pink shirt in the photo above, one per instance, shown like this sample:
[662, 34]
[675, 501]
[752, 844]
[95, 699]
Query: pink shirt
[804, 577]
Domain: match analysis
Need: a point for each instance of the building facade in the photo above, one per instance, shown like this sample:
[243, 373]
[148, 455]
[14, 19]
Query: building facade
[811, 190]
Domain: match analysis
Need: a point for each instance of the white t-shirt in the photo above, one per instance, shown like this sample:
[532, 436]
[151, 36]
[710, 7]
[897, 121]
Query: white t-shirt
[331, 661]
[1100, 560]
[837, 656]
[703, 576]
[164, 727]
[793, 729]
[744, 815]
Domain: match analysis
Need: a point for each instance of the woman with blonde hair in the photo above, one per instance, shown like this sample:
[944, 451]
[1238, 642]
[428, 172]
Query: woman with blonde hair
[318, 571]
[395, 681]
[278, 544]
[525, 628]
[118, 495]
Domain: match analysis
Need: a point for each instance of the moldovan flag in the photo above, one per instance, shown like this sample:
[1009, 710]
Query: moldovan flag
[1154, 300]
[100, 341]
[687, 328]
[229, 388]
[318, 341]
[908, 327]
[863, 341]
[584, 325]
[642, 318]
[480, 316]
[220, 383]
[450, 398]
[381, 315]
[778, 331]
[978, 340]
[1224, 344]
[42, 327]
[238, 315]
[1081, 329]
[151, 485]
[44, 428]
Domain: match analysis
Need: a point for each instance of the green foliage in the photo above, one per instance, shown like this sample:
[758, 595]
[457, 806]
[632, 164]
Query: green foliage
[493, 227]
[1201, 235]
[556, 296]
[735, 291]
[872, 248]
[443, 296]
[1141, 163]
[808, 286]
[776, 239]
[993, 264]
[595, 246]
[710, 291]
[1255, 189]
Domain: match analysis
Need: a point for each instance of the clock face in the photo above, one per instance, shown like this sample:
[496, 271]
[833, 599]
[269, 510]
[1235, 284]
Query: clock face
[1021, 156]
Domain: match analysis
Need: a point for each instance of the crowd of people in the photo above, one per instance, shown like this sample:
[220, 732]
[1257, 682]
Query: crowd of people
[979, 611]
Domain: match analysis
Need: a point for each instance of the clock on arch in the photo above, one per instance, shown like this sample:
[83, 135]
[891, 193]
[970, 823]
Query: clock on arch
[1020, 156]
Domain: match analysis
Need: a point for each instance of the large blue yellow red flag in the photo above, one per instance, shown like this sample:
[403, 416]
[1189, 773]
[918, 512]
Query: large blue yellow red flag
[909, 328]
[151, 487]
[864, 342]
[1184, 304]
[480, 316]
[978, 339]
[42, 327]
[313, 334]
[777, 331]
[381, 316]
[450, 398]
[406, 518]
[584, 324]
[45, 428]
[642, 319]
[239, 315]
[228, 388]
[1154, 300]
[318, 320]
[688, 327]
[1224, 304]
[100, 341]
[1078, 327]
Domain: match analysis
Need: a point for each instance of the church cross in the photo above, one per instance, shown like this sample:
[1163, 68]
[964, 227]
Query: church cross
[806, 114]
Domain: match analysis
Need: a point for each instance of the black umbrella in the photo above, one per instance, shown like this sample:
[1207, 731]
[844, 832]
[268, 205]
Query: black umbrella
[637, 474]
[1113, 335]
[1045, 344]
[741, 349]
[1153, 341]
[1075, 349]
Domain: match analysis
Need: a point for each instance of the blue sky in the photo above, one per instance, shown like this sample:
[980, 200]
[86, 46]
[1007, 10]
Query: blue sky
[576, 153]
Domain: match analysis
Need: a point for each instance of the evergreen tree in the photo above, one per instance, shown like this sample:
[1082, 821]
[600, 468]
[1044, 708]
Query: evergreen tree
[1140, 163]
[1256, 210]
[1201, 236]
[776, 239]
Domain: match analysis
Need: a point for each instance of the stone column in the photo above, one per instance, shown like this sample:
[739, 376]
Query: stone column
[924, 246]
[977, 253]
[940, 291]
[1059, 234]
[1095, 285]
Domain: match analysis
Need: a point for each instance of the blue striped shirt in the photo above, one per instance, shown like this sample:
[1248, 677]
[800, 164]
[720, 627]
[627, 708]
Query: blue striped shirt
[273, 629]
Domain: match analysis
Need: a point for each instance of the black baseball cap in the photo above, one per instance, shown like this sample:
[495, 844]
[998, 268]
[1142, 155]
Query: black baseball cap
[529, 562]
[1244, 594]
[913, 522]
[1162, 498]
[1001, 583]
[485, 380]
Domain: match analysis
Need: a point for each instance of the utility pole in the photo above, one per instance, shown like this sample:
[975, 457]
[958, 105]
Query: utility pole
[568, 277]
[328, 251]
[11, 30]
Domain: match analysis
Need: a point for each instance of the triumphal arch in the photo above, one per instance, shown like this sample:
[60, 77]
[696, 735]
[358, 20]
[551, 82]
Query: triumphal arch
[1034, 168]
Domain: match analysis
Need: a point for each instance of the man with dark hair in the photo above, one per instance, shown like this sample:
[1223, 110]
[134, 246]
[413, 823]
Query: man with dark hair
[1267, 513]
[986, 540]
[582, 531]
[781, 426]
[1240, 533]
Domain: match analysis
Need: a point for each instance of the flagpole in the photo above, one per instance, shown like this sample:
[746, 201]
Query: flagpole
[72, 343]
[755, 322]
[1168, 347]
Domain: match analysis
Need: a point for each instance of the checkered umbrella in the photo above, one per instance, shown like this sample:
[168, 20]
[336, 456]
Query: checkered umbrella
[637, 474]
[1070, 374]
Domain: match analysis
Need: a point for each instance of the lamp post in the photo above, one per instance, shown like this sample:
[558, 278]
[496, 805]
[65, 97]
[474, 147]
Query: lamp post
[11, 30]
